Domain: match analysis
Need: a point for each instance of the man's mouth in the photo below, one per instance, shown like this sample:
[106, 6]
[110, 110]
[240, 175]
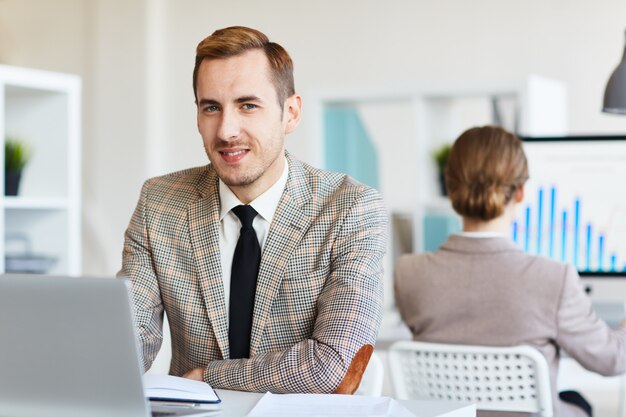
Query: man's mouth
[233, 156]
[233, 153]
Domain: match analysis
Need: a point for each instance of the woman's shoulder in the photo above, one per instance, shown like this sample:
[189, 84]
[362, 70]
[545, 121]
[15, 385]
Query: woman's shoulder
[414, 260]
[411, 269]
[546, 266]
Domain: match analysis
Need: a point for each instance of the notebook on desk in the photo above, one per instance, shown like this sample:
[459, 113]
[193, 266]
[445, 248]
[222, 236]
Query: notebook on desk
[67, 348]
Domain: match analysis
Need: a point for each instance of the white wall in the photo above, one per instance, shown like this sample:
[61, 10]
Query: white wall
[43, 34]
[115, 134]
[136, 58]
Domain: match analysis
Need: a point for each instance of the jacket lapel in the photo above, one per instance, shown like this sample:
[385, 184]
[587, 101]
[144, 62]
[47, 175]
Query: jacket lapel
[289, 225]
[204, 233]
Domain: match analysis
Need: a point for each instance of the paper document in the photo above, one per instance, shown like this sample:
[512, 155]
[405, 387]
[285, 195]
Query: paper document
[327, 405]
[177, 389]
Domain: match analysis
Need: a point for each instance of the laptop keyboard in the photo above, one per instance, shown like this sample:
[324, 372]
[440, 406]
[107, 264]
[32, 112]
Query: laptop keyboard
[162, 414]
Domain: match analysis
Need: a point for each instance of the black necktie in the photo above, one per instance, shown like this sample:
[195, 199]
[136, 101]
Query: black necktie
[243, 284]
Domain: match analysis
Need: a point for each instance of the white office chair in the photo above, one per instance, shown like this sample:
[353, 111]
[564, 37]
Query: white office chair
[372, 381]
[495, 378]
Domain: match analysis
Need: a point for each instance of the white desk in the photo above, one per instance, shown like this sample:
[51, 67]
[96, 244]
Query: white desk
[238, 404]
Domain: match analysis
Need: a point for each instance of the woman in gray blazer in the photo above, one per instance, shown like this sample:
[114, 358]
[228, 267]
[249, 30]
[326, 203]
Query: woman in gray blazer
[480, 288]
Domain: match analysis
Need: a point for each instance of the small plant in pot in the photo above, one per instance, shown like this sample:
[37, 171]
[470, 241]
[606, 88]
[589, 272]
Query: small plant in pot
[441, 155]
[16, 156]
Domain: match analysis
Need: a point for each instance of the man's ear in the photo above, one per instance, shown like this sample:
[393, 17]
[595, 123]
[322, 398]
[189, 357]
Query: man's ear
[197, 115]
[293, 111]
[519, 194]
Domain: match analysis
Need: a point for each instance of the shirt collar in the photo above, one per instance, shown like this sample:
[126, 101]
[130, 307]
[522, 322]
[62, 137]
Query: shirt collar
[482, 234]
[265, 204]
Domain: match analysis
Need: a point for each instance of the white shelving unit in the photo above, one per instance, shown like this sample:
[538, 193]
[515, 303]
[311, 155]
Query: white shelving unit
[42, 223]
[407, 125]
[536, 106]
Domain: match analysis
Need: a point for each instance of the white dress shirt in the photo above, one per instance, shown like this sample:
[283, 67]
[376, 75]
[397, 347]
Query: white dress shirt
[230, 226]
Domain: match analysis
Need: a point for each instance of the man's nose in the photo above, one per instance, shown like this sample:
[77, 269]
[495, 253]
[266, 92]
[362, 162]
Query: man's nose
[230, 127]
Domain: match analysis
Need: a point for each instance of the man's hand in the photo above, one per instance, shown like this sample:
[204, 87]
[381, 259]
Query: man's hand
[196, 374]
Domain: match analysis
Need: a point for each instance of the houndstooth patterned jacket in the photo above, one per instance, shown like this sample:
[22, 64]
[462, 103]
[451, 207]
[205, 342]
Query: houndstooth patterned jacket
[319, 290]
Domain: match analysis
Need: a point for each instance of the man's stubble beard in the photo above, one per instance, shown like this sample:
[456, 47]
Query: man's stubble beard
[247, 178]
[242, 178]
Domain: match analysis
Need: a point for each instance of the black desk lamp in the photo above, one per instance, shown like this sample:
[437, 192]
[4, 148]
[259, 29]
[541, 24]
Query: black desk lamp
[615, 92]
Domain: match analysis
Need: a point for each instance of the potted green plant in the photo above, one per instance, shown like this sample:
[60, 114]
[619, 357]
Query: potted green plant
[16, 156]
[441, 159]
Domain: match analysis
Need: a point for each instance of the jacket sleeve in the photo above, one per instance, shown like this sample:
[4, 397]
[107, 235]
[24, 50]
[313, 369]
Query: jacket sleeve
[137, 266]
[349, 313]
[583, 335]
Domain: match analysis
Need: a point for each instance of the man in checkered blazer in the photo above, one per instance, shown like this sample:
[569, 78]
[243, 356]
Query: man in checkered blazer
[318, 292]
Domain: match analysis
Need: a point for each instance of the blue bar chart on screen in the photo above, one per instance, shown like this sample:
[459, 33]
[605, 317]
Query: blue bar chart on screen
[574, 207]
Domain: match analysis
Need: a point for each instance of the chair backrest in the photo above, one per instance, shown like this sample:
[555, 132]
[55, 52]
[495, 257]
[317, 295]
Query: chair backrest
[495, 378]
[373, 377]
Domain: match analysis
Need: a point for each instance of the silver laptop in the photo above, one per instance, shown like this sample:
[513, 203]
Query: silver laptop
[68, 348]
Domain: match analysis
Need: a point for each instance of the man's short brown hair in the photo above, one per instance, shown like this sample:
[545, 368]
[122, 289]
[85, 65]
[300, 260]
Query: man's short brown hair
[235, 40]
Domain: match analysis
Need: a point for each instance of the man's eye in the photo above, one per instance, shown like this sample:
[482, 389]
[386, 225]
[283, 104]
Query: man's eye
[211, 108]
[249, 106]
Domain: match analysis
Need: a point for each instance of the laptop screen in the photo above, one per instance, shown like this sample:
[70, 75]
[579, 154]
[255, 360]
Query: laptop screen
[67, 347]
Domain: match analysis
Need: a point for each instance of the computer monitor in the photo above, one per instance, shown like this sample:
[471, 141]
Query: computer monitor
[574, 211]
[574, 208]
